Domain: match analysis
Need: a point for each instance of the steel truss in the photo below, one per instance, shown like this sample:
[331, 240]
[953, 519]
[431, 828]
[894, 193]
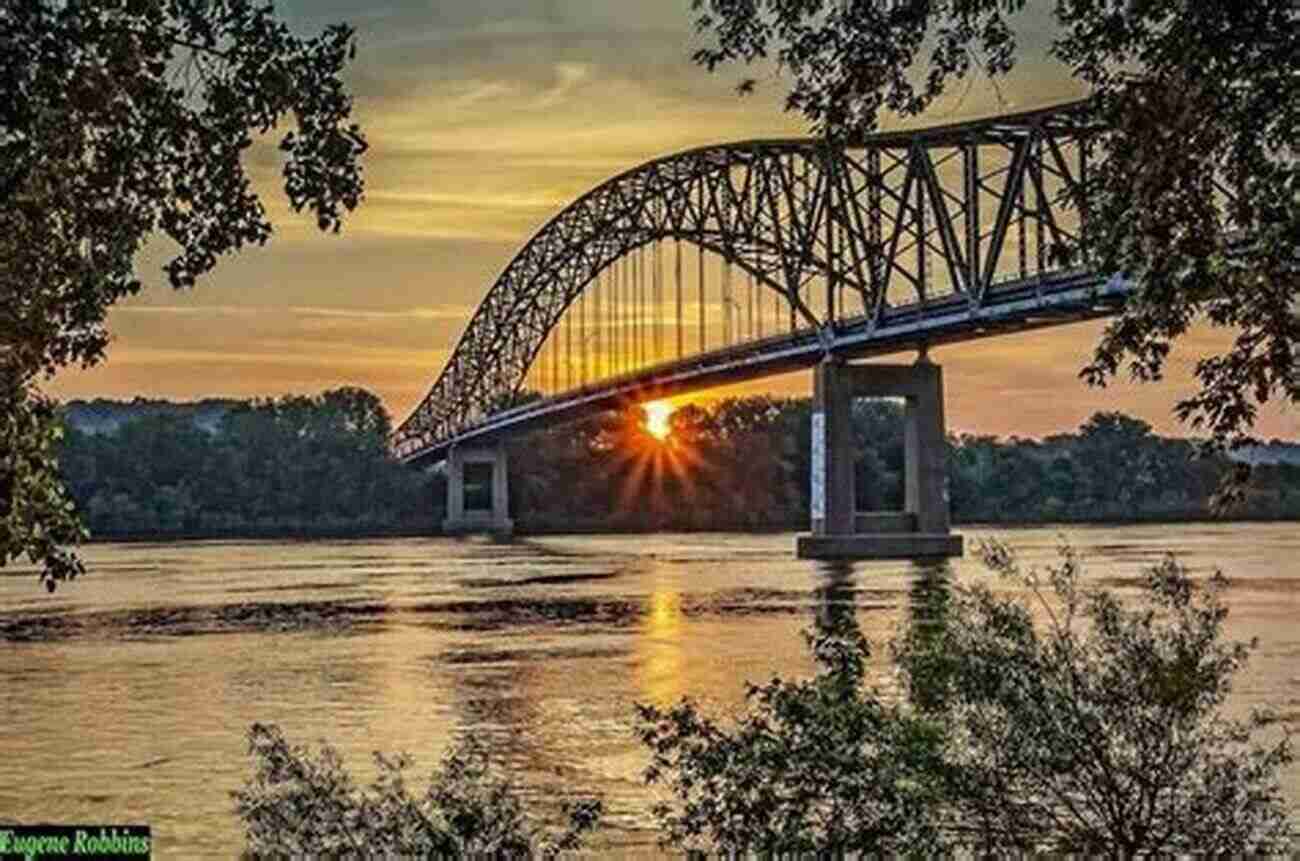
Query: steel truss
[897, 222]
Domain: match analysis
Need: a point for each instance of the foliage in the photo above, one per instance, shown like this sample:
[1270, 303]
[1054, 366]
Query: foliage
[36, 517]
[1095, 732]
[743, 463]
[847, 61]
[303, 806]
[810, 767]
[104, 415]
[303, 465]
[1113, 468]
[125, 119]
[1083, 725]
[300, 465]
[736, 464]
[1193, 99]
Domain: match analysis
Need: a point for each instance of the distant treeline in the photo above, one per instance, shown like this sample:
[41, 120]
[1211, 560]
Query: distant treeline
[105, 416]
[320, 466]
[745, 464]
[294, 466]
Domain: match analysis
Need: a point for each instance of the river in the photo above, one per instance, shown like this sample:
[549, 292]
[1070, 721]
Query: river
[127, 694]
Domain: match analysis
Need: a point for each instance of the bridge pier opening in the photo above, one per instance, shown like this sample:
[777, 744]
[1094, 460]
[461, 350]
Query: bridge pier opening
[839, 531]
[477, 492]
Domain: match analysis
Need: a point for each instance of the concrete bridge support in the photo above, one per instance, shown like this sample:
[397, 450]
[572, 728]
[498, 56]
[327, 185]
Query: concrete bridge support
[839, 531]
[494, 519]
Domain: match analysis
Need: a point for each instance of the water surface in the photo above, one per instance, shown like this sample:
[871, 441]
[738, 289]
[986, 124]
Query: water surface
[128, 693]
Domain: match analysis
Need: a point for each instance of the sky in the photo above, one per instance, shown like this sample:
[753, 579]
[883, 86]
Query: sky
[485, 119]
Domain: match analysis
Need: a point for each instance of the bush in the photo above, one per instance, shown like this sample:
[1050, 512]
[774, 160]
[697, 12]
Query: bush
[1096, 731]
[300, 805]
[812, 766]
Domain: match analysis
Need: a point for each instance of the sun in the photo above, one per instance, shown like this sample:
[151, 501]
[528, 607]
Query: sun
[657, 414]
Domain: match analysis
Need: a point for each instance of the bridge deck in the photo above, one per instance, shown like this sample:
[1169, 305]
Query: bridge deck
[1064, 297]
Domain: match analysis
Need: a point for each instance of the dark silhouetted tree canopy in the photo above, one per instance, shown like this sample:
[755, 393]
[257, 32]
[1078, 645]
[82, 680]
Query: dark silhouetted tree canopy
[121, 120]
[1196, 97]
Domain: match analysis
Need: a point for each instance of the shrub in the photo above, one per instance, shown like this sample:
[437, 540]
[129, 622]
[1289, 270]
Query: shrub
[812, 766]
[298, 804]
[1097, 729]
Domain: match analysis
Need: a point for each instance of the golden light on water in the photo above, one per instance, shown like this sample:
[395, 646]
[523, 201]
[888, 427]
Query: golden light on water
[657, 414]
[661, 671]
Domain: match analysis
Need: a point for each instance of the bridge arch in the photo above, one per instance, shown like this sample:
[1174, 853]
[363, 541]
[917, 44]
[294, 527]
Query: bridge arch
[892, 220]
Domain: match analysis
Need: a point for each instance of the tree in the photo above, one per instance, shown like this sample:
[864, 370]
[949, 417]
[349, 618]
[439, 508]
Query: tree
[121, 120]
[291, 465]
[812, 767]
[1196, 98]
[1119, 452]
[1077, 724]
[36, 515]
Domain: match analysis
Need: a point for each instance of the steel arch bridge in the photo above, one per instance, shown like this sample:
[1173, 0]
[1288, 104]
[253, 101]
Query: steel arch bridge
[896, 241]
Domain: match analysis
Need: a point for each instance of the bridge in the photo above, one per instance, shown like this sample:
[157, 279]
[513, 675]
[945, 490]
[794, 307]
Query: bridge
[734, 262]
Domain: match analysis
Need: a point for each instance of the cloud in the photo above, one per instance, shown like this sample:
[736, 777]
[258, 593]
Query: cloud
[192, 310]
[568, 77]
[271, 356]
[448, 312]
[470, 93]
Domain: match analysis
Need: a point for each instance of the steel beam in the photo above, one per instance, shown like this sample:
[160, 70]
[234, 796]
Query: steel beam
[800, 210]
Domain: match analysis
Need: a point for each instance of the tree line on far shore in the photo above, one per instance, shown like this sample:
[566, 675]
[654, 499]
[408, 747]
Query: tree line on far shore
[744, 464]
[320, 466]
[292, 466]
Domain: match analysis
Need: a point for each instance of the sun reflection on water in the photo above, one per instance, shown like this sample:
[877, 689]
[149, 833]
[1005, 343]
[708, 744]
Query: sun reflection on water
[662, 655]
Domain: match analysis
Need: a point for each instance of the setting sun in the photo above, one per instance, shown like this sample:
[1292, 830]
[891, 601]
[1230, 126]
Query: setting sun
[657, 414]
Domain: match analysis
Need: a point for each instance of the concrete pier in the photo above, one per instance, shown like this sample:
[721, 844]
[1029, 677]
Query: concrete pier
[839, 531]
[494, 519]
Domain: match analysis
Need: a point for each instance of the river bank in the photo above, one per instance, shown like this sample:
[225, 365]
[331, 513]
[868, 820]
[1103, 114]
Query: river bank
[526, 528]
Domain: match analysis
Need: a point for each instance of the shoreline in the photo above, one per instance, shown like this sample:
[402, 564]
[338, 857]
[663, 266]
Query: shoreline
[538, 530]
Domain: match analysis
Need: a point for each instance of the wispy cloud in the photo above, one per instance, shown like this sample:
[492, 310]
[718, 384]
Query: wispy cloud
[568, 77]
[191, 310]
[444, 312]
[469, 93]
[417, 360]
[536, 200]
